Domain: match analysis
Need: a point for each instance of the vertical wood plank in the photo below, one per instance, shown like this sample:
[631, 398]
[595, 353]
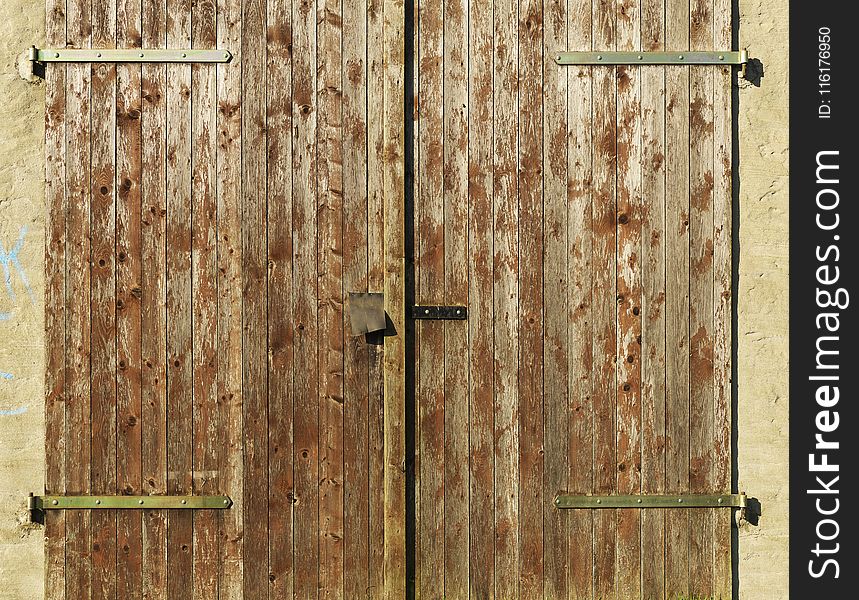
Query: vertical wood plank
[129, 551]
[701, 299]
[229, 248]
[153, 307]
[329, 90]
[456, 134]
[306, 540]
[629, 266]
[722, 298]
[55, 301]
[430, 278]
[559, 292]
[677, 271]
[179, 294]
[254, 305]
[204, 302]
[375, 283]
[530, 311]
[77, 375]
[505, 271]
[280, 288]
[604, 299]
[394, 290]
[356, 496]
[653, 245]
[482, 566]
[581, 406]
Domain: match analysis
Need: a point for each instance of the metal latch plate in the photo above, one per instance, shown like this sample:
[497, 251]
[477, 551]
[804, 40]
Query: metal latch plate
[438, 313]
[564, 500]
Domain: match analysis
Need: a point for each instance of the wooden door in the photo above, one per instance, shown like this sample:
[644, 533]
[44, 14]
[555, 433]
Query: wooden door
[584, 216]
[205, 224]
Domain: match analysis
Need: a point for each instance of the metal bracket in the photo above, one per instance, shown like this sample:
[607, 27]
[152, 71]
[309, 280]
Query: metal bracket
[692, 57]
[128, 55]
[439, 313]
[41, 503]
[563, 500]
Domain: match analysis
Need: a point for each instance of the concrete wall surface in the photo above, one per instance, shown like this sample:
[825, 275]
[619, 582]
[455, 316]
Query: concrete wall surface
[762, 328]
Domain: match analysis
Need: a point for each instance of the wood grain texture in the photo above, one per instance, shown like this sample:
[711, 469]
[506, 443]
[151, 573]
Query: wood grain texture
[480, 303]
[153, 307]
[229, 273]
[393, 120]
[456, 518]
[530, 316]
[179, 300]
[722, 297]
[701, 430]
[329, 90]
[629, 328]
[429, 281]
[605, 297]
[559, 292]
[356, 350]
[581, 405]
[505, 272]
[305, 386]
[77, 433]
[254, 299]
[204, 302]
[129, 265]
[677, 271]
[55, 302]
[653, 246]
[375, 283]
[281, 327]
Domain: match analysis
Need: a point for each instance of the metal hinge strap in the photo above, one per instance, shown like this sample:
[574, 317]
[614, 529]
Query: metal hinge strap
[653, 501]
[438, 313]
[128, 55]
[692, 57]
[39, 503]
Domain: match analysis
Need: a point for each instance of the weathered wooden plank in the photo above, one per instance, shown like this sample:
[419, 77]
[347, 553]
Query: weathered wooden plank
[204, 302]
[329, 89]
[722, 298]
[356, 496]
[179, 294]
[505, 272]
[77, 376]
[530, 311]
[55, 301]
[229, 248]
[280, 290]
[375, 283]
[306, 541]
[580, 407]
[653, 234]
[701, 432]
[482, 566]
[129, 546]
[430, 279]
[153, 309]
[394, 290]
[558, 294]
[455, 293]
[604, 231]
[254, 313]
[629, 292]
[677, 298]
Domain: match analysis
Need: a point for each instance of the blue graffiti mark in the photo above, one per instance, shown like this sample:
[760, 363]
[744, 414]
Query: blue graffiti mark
[6, 375]
[5, 316]
[10, 259]
[13, 412]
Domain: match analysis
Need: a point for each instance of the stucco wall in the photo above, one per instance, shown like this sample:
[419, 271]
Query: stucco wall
[762, 399]
[762, 316]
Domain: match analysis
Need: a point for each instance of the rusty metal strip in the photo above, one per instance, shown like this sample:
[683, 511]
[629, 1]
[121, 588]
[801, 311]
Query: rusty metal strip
[653, 501]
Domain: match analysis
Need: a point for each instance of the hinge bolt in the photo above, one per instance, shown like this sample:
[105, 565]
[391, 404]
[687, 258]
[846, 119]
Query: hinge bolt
[721, 57]
[55, 502]
[680, 57]
[140, 501]
[184, 55]
[98, 501]
[184, 501]
[599, 501]
[679, 499]
[639, 500]
[599, 57]
[226, 502]
[56, 54]
[141, 56]
[226, 55]
[640, 57]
